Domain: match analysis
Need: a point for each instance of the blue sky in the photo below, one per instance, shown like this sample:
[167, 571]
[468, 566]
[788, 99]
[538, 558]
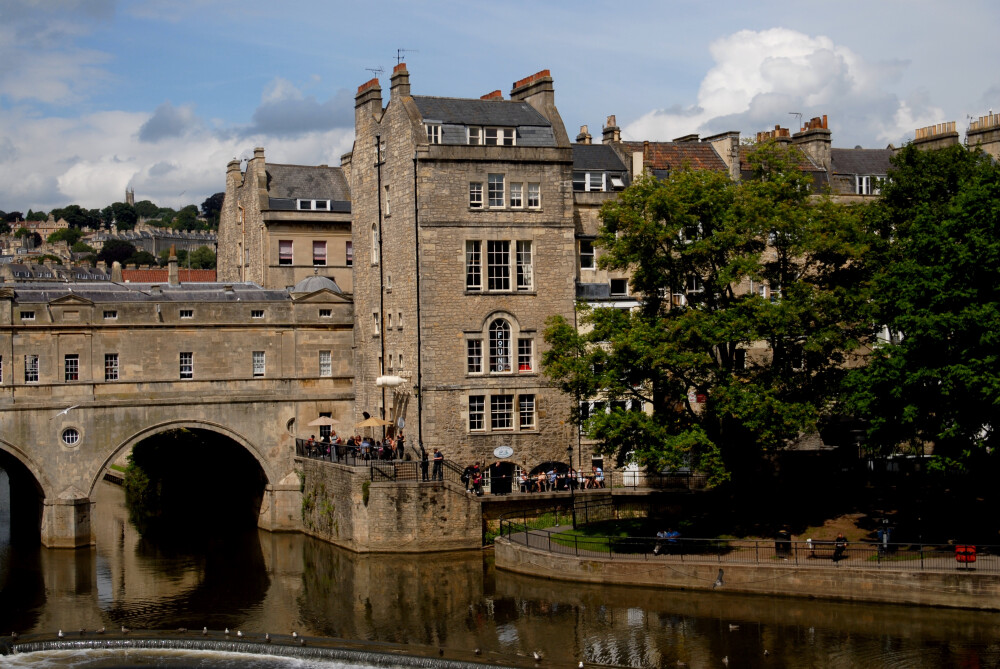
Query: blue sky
[99, 94]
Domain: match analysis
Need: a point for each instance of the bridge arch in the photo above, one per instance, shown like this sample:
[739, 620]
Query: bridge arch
[165, 426]
[26, 481]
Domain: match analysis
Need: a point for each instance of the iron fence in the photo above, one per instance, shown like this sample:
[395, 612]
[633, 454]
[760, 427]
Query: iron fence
[520, 529]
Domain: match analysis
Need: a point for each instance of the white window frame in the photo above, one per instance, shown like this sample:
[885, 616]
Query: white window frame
[433, 133]
[473, 264]
[534, 196]
[110, 314]
[589, 182]
[613, 282]
[374, 243]
[31, 368]
[27, 315]
[325, 363]
[326, 313]
[111, 368]
[588, 258]
[500, 342]
[259, 361]
[256, 313]
[499, 136]
[498, 266]
[386, 210]
[186, 313]
[525, 355]
[186, 359]
[312, 205]
[502, 412]
[474, 356]
[526, 411]
[474, 135]
[71, 367]
[477, 413]
[523, 265]
[496, 190]
[375, 323]
[516, 195]
[475, 195]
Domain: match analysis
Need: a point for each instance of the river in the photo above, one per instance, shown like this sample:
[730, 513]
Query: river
[261, 582]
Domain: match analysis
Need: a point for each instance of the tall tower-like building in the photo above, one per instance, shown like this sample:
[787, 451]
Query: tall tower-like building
[129, 196]
[464, 245]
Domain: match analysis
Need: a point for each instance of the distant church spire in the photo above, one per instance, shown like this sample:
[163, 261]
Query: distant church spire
[129, 196]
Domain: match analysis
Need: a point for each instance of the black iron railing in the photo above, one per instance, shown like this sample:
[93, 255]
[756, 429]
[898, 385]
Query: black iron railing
[522, 529]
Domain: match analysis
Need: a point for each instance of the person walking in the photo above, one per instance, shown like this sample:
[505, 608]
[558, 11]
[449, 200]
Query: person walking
[438, 473]
[424, 464]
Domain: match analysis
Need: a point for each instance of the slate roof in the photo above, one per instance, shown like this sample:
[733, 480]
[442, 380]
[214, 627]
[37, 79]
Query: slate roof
[465, 111]
[860, 161]
[676, 155]
[596, 157]
[805, 163]
[106, 293]
[307, 182]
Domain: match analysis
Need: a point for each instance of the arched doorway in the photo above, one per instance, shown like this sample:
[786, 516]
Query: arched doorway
[560, 468]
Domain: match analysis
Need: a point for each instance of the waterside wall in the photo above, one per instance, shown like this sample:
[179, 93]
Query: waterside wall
[961, 589]
[341, 505]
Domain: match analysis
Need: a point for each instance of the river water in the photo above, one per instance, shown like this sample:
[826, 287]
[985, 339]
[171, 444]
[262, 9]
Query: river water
[261, 582]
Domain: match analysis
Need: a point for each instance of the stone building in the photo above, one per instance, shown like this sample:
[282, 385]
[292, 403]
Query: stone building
[282, 223]
[464, 232]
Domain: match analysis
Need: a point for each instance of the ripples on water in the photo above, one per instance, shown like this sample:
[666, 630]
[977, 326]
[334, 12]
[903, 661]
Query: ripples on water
[455, 601]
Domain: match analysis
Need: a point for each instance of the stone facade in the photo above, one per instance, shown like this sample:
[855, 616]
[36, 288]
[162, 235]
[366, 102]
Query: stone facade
[89, 370]
[411, 190]
[282, 223]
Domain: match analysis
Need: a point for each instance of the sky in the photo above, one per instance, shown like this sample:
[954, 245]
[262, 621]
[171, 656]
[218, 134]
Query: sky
[159, 95]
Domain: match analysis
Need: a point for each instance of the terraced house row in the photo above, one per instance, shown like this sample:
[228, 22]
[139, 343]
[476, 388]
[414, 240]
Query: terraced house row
[458, 226]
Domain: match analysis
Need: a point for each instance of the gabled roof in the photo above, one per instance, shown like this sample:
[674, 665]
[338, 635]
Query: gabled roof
[667, 156]
[596, 157]
[860, 161]
[464, 111]
[805, 163]
[307, 182]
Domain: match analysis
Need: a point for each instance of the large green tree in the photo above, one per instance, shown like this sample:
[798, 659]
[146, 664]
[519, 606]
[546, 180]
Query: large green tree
[720, 269]
[934, 378]
[69, 235]
[116, 250]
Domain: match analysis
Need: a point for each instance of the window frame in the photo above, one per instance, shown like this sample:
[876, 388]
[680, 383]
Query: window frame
[186, 365]
[500, 346]
[32, 367]
[496, 190]
[526, 411]
[523, 265]
[71, 367]
[476, 195]
[286, 252]
[185, 313]
[502, 412]
[434, 133]
[525, 355]
[498, 266]
[474, 135]
[473, 264]
[534, 195]
[325, 364]
[112, 369]
[258, 364]
[321, 246]
[499, 136]
[28, 315]
[477, 413]
[474, 356]
[585, 253]
[349, 253]
[516, 195]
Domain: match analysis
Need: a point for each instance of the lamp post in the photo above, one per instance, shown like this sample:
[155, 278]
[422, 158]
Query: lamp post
[572, 483]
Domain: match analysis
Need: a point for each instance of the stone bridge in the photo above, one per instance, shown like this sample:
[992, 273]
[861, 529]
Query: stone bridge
[87, 371]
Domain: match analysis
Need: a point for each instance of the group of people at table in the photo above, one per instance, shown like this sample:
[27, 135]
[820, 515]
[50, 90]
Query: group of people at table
[553, 480]
[366, 448]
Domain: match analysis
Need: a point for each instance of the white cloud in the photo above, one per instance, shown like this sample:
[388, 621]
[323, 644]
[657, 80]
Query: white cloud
[760, 77]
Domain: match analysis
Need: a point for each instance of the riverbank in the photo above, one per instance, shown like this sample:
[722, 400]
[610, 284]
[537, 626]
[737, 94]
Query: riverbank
[947, 588]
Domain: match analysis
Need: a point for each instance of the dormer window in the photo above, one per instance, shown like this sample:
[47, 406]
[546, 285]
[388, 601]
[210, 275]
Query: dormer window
[499, 137]
[313, 205]
[433, 133]
[588, 182]
[617, 182]
[867, 184]
[475, 135]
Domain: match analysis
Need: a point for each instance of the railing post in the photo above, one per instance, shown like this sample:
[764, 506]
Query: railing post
[756, 552]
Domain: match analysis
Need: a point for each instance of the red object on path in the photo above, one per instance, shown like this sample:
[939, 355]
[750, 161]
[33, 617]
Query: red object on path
[965, 554]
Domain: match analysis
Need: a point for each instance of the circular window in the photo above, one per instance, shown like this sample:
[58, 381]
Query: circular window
[70, 436]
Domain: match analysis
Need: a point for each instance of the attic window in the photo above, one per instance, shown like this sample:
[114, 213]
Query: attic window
[325, 313]
[619, 287]
[313, 205]
[617, 182]
[27, 315]
[256, 313]
[110, 314]
[499, 137]
[433, 133]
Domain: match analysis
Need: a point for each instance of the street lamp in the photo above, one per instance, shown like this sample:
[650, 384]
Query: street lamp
[572, 483]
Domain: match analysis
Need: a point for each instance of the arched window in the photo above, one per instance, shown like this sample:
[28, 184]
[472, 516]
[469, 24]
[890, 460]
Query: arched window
[374, 244]
[499, 346]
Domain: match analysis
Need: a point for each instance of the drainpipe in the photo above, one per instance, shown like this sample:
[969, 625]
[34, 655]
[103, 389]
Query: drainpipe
[416, 246]
[381, 268]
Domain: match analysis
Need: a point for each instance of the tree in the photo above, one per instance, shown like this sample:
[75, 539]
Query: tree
[935, 378]
[142, 258]
[82, 247]
[182, 256]
[78, 217]
[211, 208]
[116, 250]
[69, 235]
[187, 219]
[13, 217]
[146, 209]
[124, 214]
[4, 228]
[203, 258]
[48, 256]
[693, 244]
[36, 216]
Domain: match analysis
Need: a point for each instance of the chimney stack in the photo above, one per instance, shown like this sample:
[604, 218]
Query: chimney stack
[937, 136]
[399, 83]
[172, 276]
[611, 132]
[814, 141]
[584, 136]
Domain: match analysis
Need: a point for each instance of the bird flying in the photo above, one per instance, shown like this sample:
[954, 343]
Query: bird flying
[64, 411]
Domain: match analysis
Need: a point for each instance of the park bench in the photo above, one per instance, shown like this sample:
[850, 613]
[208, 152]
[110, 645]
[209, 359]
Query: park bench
[823, 549]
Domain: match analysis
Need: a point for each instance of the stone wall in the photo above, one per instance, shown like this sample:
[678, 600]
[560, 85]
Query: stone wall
[341, 505]
[952, 589]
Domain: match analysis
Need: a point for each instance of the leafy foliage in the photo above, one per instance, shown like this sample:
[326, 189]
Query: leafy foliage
[936, 288]
[70, 235]
[694, 350]
[116, 250]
